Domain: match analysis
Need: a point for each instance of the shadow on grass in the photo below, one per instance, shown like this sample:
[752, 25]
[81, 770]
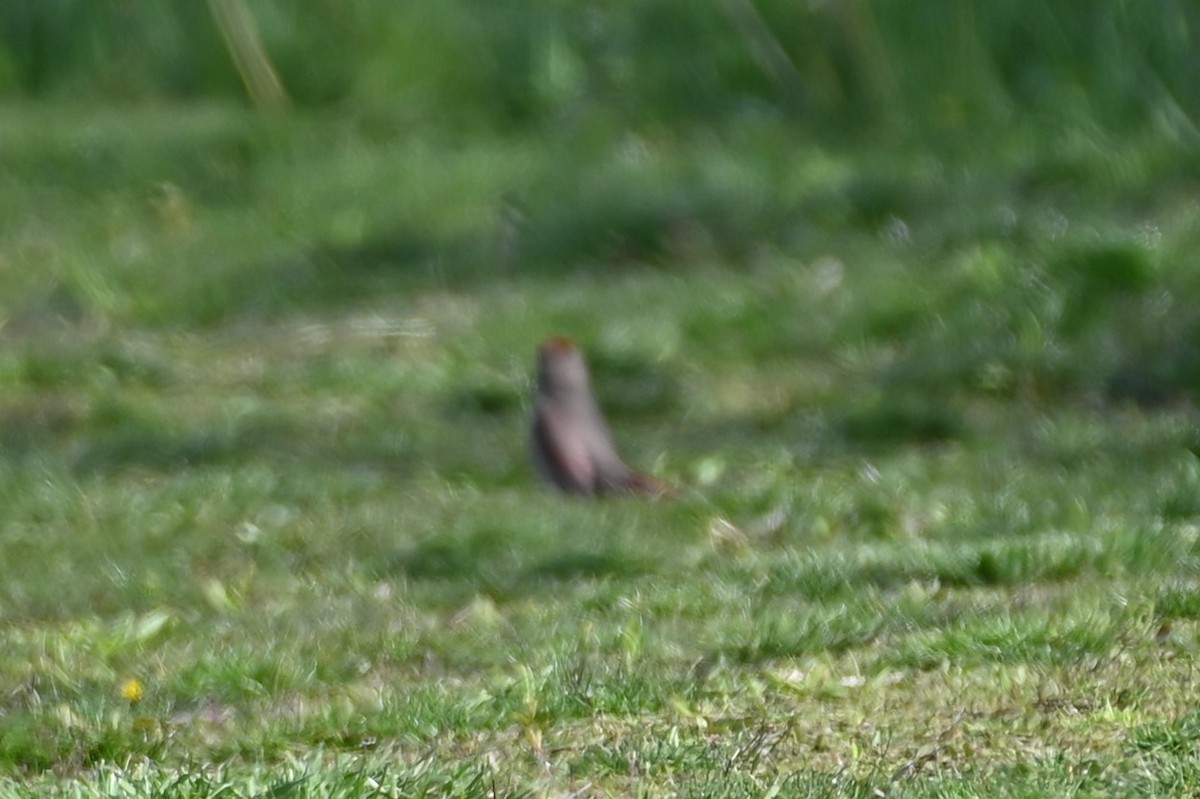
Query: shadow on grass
[583, 566]
[783, 641]
[565, 230]
[158, 449]
[906, 420]
[491, 561]
[855, 604]
[116, 436]
[327, 279]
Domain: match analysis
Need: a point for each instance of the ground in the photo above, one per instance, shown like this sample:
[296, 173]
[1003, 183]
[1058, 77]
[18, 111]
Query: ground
[269, 522]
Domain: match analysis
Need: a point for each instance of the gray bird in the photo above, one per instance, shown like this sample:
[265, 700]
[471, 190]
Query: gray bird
[572, 445]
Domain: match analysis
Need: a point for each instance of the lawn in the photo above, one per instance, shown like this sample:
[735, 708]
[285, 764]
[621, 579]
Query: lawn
[269, 525]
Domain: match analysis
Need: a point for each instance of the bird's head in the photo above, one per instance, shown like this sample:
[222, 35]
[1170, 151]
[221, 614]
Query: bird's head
[561, 368]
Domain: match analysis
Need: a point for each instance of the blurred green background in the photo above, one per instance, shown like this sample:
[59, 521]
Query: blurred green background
[938, 70]
[1051, 145]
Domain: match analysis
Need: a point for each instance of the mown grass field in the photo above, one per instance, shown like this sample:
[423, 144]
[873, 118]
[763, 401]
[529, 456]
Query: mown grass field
[269, 527]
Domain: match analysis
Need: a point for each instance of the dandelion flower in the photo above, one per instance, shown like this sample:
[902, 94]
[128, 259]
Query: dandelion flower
[132, 690]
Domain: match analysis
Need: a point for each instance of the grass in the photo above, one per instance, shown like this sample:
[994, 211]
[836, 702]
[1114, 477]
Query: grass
[263, 407]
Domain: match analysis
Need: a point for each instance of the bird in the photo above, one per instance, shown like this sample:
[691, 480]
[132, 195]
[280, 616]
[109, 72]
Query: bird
[572, 445]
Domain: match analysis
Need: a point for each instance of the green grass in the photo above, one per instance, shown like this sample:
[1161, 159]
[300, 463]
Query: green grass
[263, 408]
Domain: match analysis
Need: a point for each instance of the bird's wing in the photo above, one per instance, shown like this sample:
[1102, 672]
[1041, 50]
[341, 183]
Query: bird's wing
[563, 458]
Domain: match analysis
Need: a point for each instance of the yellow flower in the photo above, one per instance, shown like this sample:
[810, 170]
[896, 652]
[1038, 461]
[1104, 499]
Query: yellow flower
[132, 690]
